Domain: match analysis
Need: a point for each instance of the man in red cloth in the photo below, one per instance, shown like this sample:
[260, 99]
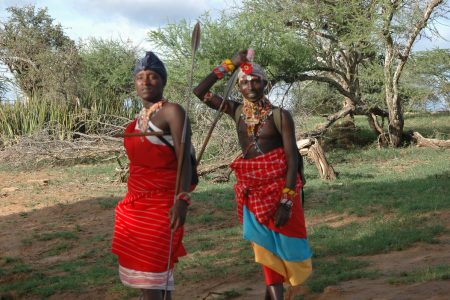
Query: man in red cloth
[268, 181]
[147, 215]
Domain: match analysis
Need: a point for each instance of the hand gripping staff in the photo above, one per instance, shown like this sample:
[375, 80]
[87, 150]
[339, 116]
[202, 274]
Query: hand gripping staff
[195, 42]
[230, 84]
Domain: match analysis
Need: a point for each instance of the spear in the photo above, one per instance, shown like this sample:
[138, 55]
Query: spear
[124, 135]
[230, 84]
[195, 42]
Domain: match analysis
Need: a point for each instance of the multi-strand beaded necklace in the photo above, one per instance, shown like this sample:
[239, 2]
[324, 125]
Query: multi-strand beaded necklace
[255, 115]
[146, 113]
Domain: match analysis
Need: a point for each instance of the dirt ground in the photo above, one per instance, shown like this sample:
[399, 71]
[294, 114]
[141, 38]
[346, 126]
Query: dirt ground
[51, 200]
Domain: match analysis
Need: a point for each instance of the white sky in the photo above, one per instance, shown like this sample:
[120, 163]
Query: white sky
[119, 19]
[132, 19]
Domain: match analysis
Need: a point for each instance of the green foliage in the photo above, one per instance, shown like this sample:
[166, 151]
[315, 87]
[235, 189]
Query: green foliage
[315, 99]
[428, 79]
[43, 60]
[106, 77]
[280, 51]
[95, 112]
[24, 118]
[424, 82]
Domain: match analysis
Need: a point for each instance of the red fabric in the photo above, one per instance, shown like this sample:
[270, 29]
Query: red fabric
[141, 232]
[260, 181]
[271, 277]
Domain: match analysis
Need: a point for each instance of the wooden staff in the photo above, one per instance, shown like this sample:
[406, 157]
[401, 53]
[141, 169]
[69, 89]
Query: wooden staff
[195, 42]
[230, 84]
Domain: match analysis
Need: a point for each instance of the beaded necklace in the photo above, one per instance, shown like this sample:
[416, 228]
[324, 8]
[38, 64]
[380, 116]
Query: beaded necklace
[146, 113]
[255, 114]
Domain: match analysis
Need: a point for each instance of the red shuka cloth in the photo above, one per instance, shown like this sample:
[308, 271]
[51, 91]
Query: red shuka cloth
[260, 181]
[142, 225]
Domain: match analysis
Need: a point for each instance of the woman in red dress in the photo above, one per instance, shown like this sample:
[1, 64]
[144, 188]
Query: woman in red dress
[148, 214]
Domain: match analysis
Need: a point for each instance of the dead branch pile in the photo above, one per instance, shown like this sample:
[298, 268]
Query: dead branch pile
[44, 148]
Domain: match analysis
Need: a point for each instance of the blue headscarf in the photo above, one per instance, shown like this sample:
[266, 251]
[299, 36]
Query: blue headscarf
[151, 62]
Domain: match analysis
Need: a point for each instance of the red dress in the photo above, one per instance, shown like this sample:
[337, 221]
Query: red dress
[142, 225]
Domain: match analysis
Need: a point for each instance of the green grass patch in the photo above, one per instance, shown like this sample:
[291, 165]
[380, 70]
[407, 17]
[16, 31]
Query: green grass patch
[15, 268]
[378, 235]
[401, 193]
[58, 249]
[76, 275]
[330, 272]
[407, 180]
[108, 203]
[422, 275]
[47, 236]
[214, 253]
[429, 125]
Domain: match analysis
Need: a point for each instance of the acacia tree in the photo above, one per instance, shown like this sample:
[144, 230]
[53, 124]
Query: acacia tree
[339, 33]
[345, 37]
[43, 60]
[330, 42]
[403, 21]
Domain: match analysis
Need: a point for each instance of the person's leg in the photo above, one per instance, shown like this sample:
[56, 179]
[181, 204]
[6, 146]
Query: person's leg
[274, 284]
[169, 295]
[153, 294]
[267, 295]
[276, 291]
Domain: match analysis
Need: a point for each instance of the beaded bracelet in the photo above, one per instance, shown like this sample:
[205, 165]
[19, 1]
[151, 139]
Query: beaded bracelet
[229, 64]
[207, 97]
[287, 197]
[288, 191]
[225, 67]
[286, 202]
[184, 196]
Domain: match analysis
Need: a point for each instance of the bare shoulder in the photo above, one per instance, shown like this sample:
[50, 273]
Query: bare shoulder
[286, 115]
[285, 112]
[173, 109]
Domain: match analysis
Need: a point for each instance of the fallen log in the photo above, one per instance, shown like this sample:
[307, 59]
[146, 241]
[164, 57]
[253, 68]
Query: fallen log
[420, 141]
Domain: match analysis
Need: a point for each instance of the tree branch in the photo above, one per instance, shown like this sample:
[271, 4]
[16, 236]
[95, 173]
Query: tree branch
[412, 38]
[305, 77]
[330, 120]
[329, 69]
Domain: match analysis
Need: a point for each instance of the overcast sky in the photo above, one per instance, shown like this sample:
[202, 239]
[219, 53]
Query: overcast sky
[132, 20]
[122, 19]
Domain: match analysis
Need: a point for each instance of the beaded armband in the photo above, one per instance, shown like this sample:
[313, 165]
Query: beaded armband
[184, 196]
[225, 67]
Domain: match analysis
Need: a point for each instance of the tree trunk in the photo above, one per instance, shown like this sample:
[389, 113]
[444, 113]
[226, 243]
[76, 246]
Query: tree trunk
[311, 148]
[396, 56]
[373, 123]
[396, 123]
